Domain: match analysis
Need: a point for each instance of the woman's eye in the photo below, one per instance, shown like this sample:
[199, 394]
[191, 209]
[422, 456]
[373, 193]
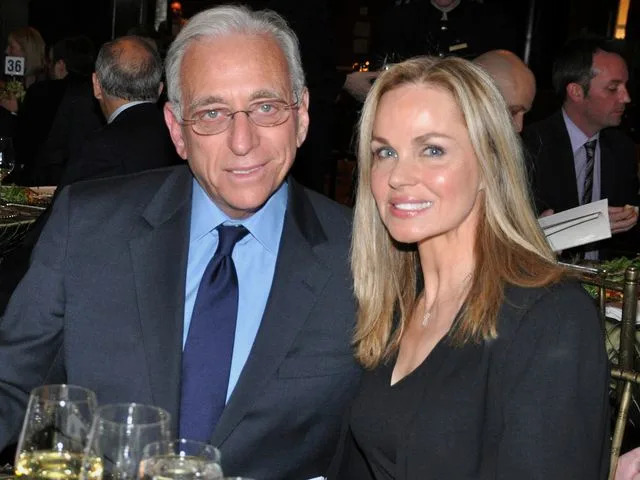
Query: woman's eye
[433, 151]
[384, 152]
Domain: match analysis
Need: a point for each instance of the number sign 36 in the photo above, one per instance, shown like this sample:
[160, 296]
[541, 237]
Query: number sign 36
[14, 65]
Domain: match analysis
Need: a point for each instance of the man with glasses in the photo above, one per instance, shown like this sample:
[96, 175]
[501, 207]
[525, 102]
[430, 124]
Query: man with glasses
[218, 291]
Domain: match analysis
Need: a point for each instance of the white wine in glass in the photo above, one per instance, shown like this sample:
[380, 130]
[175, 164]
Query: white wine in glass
[180, 459]
[55, 432]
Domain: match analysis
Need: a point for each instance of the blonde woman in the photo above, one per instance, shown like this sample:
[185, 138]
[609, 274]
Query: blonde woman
[28, 43]
[483, 360]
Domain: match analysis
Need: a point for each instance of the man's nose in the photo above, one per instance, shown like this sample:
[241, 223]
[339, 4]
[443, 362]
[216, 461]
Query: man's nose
[243, 135]
[624, 95]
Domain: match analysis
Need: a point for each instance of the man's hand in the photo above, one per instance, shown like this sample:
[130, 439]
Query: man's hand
[629, 466]
[359, 83]
[622, 219]
[547, 212]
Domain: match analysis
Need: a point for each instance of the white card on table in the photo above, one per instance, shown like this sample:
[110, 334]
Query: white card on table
[577, 226]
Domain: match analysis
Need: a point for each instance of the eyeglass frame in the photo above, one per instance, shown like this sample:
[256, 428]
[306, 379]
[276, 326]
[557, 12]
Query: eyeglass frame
[286, 107]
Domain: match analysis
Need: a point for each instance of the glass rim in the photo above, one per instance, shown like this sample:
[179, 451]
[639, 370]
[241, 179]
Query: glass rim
[59, 388]
[172, 443]
[98, 416]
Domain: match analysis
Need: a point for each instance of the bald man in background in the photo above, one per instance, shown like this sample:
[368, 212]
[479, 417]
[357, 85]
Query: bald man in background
[517, 84]
[514, 80]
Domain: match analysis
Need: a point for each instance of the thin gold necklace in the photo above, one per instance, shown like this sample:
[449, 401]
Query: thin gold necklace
[428, 313]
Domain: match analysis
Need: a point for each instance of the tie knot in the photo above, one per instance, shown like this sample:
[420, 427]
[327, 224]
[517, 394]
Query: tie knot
[228, 236]
[590, 146]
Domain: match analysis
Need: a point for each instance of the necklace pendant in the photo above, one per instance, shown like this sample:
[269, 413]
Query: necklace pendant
[425, 318]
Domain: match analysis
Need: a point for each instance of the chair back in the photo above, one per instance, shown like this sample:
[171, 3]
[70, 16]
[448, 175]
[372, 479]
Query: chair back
[624, 373]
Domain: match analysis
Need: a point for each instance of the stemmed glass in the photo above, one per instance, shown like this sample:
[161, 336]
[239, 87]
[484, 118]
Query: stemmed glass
[55, 432]
[180, 459]
[118, 435]
[7, 162]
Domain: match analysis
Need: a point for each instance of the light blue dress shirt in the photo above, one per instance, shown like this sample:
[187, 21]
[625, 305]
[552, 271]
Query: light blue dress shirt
[255, 260]
[578, 139]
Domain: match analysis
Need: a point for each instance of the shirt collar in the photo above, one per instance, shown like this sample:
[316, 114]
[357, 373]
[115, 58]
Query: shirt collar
[577, 136]
[122, 108]
[265, 225]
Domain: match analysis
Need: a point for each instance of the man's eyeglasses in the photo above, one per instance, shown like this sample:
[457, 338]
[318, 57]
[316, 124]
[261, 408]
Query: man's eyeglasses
[267, 113]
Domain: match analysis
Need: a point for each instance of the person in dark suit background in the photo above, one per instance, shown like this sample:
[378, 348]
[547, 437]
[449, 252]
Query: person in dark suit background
[110, 297]
[127, 83]
[591, 77]
[57, 112]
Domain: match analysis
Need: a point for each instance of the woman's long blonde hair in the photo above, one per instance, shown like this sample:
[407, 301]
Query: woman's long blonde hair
[33, 46]
[509, 247]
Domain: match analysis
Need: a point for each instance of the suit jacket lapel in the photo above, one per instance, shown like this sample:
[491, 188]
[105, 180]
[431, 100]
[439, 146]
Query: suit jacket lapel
[608, 171]
[566, 178]
[298, 278]
[159, 250]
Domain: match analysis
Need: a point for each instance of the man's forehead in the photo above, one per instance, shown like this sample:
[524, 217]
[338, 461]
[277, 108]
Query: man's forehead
[235, 65]
[610, 64]
[235, 50]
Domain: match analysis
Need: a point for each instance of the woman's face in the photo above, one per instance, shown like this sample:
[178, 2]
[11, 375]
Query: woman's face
[13, 48]
[425, 176]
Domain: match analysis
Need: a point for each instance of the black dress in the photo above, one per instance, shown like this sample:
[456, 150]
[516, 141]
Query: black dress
[532, 404]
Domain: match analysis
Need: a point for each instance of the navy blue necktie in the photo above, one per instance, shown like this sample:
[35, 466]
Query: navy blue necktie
[206, 359]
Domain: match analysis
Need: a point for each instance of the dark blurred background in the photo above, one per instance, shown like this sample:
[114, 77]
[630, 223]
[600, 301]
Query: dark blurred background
[345, 26]
[337, 34]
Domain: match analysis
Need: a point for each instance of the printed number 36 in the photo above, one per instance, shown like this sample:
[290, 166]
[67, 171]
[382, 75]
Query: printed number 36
[14, 66]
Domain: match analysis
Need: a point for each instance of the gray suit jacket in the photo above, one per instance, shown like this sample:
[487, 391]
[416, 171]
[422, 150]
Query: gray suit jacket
[102, 306]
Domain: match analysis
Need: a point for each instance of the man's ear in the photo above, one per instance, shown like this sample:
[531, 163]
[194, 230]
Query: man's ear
[175, 130]
[575, 92]
[303, 118]
[97, 89]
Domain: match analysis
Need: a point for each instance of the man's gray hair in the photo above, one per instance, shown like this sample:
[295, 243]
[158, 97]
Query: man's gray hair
[134, 76]
[227, 20]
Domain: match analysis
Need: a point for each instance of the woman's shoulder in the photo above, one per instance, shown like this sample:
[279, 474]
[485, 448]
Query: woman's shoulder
[564, 304]
[565, 289]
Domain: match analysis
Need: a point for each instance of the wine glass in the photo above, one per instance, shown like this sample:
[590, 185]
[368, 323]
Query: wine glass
[118, 435]
[55, 432]
[7, 162]
[180, 459]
